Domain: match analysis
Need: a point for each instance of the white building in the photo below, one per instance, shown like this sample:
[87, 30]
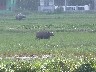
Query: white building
[46, 6]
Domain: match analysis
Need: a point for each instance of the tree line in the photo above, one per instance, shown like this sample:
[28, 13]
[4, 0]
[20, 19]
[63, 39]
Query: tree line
[33, 4]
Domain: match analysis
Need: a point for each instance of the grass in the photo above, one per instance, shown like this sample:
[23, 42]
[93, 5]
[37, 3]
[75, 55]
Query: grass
[72, 46]
[74, 34]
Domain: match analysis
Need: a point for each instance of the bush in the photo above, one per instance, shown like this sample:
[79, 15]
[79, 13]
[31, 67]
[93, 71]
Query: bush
[49, 65]
[85, 68]
[55, 66]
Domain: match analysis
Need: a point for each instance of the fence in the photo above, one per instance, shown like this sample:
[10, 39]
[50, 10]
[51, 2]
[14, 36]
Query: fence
[85, 7]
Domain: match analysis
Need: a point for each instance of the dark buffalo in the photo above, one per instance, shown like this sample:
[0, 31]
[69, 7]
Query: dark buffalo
[44, 34]
[20, 16]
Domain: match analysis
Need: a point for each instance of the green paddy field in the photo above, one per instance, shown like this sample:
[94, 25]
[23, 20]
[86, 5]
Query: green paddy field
[73, 43]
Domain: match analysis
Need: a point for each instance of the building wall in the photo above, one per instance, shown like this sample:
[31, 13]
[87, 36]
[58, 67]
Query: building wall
[51, 2]
[2, 4]
[46, 6]
[7, 5]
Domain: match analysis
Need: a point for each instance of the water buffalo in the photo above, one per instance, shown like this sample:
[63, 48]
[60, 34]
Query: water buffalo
[20, 16]
[44, 34]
